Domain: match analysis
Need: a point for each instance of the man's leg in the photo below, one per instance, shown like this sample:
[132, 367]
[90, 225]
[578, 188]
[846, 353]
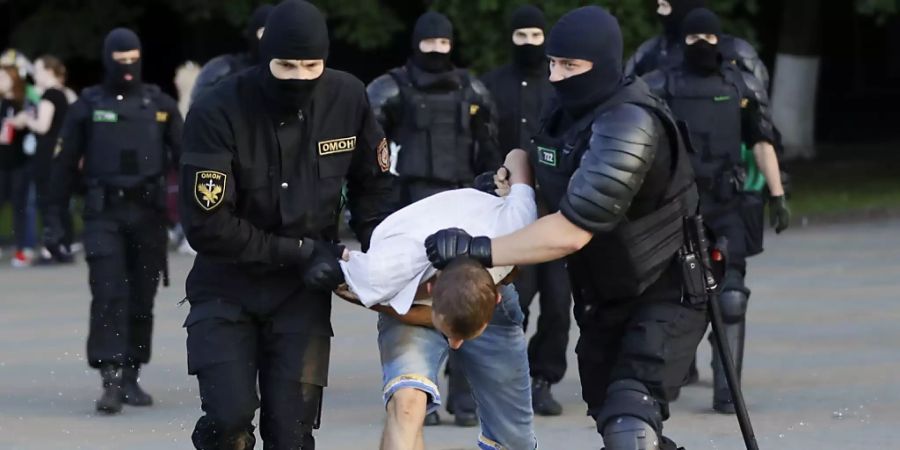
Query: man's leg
[527, 287]
[146, 259]
[403, 424]
[547, 349]
[107, 343]
[293, 371]
[733, 302]
[497, 364]
[657, 346]
[410, 358]
[227, 379]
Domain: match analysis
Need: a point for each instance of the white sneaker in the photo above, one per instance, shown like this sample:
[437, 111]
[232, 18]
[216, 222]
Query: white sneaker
[23, 258]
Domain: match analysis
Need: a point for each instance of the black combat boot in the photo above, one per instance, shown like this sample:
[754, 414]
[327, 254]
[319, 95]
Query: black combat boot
[132, 394]
[111, 400]
[542, 400]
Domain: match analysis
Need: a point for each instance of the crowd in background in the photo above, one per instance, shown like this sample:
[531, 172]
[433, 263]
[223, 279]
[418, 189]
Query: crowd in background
[33, 103]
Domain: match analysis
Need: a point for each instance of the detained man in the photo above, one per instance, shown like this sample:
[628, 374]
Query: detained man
[423, 314]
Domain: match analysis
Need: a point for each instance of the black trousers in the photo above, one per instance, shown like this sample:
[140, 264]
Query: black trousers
[231, 352]
[547, 348]
[125, 247]
[651, 338]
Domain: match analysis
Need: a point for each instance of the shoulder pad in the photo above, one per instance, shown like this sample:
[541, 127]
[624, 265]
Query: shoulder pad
[647, 47]
[627, 123]
[657, 82]
[480, 89]
[612, 170]
[382, 89]
[747, 59]
[215, 69]
[755, 88]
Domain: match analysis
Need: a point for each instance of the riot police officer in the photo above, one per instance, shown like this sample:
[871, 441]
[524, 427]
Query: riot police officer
[128, 134]
[439, 116]
[521, 90]
[723, 107]
[441, 122]
[612, 166]
[216, 69]
[266, 155]
[667, 50]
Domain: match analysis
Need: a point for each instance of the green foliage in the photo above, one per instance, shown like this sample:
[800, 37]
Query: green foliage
[483, 32]
[880, 9]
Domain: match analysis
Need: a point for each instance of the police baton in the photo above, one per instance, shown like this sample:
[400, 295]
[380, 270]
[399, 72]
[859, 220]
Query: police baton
[699, 246]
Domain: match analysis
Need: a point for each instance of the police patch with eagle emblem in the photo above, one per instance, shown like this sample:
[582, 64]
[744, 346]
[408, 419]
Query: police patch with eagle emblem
[209, 189]
[384, 156]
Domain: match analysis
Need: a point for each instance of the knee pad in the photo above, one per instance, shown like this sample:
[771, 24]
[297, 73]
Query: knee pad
[733, 305]
[629, 397]
[629, 433]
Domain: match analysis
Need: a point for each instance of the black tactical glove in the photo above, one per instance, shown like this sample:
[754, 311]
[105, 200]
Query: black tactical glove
[321, 271]
[779, 213]
[450, 243]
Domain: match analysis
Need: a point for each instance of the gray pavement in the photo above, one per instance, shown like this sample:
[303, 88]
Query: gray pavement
[822, 370]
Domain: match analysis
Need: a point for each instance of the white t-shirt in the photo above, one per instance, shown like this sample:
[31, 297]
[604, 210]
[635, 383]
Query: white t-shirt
[396, 263]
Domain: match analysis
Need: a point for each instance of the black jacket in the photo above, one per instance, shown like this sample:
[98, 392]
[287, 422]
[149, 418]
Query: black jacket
[255, 182]
[521, 98]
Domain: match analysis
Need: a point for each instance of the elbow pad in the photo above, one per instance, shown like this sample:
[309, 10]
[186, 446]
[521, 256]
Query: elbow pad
[612, 170]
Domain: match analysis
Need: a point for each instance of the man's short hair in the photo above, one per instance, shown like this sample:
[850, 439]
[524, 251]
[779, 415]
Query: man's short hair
[464, 295]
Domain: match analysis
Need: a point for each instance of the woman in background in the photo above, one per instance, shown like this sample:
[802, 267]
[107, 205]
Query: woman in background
[49, 78]
[15, 177]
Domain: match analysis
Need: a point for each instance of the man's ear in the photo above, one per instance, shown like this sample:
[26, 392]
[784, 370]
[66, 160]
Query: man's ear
[499, 297]
[428, 286]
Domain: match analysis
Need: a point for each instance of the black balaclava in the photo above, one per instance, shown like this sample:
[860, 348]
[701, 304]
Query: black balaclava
[592, 34]
[701, 56]
[432, 25]
[530, 58]
[680, 10]
[295, 30]
[257, 21]
[121, 77]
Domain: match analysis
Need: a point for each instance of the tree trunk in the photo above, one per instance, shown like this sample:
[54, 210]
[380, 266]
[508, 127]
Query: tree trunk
[796, 77]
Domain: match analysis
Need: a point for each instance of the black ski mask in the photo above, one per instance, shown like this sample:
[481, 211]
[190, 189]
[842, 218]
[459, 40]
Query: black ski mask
[432, 25]
[257, 21]
[680, 10]
[592, 34]
[701, 56]
[121, 77]
[530, 58]
[295, 30]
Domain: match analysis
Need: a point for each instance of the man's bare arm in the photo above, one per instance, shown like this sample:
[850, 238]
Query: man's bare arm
[550, 238]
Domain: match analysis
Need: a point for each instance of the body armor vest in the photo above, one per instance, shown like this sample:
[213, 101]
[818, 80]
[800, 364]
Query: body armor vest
[623, 262]
[124, 147]
[711, 107]
[434, 132]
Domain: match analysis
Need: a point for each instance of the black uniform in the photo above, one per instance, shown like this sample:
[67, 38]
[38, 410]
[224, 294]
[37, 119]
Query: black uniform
[441, 117]
[521, 92]
[444, 123]
[128, 134]
[220, 67]
[722, 107]
[610, 159]
[263, 170]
